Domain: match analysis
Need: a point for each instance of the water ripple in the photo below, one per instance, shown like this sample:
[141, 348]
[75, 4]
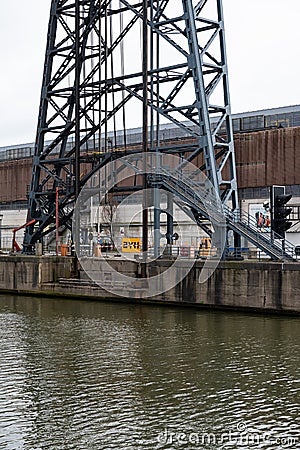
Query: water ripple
[85, 375]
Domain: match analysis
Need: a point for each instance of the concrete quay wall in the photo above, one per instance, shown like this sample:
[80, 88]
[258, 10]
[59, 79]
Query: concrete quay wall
[30, 273]
[261, 286]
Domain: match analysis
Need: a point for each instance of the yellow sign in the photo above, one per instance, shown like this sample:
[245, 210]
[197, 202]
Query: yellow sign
[131, 244]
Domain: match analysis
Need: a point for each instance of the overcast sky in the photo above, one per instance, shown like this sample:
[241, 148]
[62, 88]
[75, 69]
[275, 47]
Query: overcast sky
[262, 38]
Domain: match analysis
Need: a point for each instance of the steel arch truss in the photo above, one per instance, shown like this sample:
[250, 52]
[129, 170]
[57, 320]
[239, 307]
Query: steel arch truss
[93, 86]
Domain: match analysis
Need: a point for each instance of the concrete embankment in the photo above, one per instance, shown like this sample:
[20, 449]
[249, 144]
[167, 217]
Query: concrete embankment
[263, 286]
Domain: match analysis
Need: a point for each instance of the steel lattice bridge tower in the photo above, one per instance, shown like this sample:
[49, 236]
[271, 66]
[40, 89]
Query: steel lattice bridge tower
[117, 64]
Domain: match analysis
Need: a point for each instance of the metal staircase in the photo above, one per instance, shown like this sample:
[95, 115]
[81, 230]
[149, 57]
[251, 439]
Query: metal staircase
[197, 199]
[209, 208]
[245, 225]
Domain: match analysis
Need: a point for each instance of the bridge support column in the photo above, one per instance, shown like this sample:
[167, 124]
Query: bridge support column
[170, 221]
[157, 212]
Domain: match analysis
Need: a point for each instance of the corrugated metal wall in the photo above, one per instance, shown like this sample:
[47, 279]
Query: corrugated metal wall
[263, 158]
[15, 177]
[268, 157]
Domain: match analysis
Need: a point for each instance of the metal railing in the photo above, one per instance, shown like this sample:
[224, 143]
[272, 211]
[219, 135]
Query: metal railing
[240, 221]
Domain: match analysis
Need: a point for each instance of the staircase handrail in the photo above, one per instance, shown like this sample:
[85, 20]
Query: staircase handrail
[245, 219]
[239, 217]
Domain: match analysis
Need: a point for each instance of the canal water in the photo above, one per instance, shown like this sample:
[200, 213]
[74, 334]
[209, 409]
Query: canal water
[93, 375]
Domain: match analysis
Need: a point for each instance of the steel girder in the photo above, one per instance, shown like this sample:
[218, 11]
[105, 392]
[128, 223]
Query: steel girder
[93, 85]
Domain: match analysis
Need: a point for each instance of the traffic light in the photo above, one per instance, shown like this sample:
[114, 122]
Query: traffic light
[280, 212]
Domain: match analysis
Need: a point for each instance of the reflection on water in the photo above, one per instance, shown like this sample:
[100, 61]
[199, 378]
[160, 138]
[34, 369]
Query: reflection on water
[88, 375]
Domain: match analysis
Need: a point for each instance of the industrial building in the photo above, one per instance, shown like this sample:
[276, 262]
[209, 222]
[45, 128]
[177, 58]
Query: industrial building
[266, 145]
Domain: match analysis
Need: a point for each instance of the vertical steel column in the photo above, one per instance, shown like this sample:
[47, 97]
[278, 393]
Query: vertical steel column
[145, 126]
[33, 208]
[170, 220]
[157, 212]
[77, 117]
[57, 220]
[1, 217]
[232, 191]
[201, 104]
[77, 97]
